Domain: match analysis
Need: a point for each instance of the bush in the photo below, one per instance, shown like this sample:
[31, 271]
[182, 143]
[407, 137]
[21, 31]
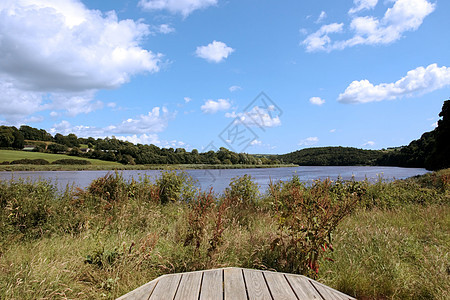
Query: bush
[176, 186]
[27, 206]
[242, 192]
[306, 218]
[27, 161]
[71, 161]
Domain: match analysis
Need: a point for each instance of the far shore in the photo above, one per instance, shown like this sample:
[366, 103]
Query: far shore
[14, 168]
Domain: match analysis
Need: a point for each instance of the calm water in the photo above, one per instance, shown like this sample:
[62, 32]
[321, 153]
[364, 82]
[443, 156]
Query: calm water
[219, 179]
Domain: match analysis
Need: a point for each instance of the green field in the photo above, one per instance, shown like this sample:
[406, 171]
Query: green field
[10, 155]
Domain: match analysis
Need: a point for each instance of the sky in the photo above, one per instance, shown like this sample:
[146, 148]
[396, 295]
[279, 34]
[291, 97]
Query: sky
[254, 76]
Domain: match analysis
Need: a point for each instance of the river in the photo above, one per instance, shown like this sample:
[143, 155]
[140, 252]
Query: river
[220, 179]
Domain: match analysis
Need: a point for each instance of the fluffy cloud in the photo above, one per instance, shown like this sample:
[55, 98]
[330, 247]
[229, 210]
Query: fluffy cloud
[320, 40]
[403, 16]
[58, 48]
[155, 121]
[183, 7]
[362, 5]
[257, 117]
[211, 106]
[309, 141]
[142, 129]
[418, 81]
[316, 101]
[214, 52]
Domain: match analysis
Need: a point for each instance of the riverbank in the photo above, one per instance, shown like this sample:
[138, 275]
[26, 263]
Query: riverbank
[390, 239]
[119, 167]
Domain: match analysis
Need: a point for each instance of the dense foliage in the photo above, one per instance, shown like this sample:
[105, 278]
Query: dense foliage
[431, 151]
[332, 156]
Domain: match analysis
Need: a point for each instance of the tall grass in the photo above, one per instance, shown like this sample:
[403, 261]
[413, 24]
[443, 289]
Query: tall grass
[382, 240]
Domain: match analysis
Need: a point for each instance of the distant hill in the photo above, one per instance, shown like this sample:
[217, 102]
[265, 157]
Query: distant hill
[332, 156]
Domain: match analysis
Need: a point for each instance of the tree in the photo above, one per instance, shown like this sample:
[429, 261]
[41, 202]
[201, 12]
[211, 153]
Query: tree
[440, 155]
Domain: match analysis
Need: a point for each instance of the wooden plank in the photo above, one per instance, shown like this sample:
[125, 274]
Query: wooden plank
[234, 284]
[279, 286]
[189, 287]
[212, 285]
[303, 287]
[166, 287]
[256, 285]
[328, 293]
[141, 293]
[341, 294]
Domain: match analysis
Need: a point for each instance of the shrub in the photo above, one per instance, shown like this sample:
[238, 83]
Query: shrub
[242, 192]
[71, 161]
[27, 161]
[27, 206]
[176, 186]
[306, 218]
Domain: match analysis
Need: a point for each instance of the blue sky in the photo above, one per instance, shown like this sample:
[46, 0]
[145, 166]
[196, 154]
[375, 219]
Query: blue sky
[189, 73]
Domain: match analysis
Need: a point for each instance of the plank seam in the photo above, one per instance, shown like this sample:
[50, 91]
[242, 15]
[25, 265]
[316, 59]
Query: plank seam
[268, 287]
[245, 283]
[151, 292]
[201, 284]
[316, 289]
[284, 275]
[178, 286]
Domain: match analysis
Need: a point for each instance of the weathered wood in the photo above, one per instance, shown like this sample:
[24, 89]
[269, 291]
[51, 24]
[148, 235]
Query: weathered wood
[212, 285]
[256, 285]
[234, 284]
[189, 287]
[303, 287]
[166, 287]
[279, 286]
[328, 293]
[141, 293]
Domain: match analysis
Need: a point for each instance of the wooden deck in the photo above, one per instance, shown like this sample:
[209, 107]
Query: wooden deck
[234, 283]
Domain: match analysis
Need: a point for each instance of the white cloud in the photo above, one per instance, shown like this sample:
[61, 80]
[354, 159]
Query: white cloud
[214, 52]
[418, 81]
[320, 40]
[369, 144]
[57, 49]
[154, 121]
[362, 5]
[434, 125]
[403, 16]
[256, 142]
[309, 141]
[211, 106]
[234, 88]
[183, 7]
[144, 139]
[316, 101]
[257, 117]
[142, 129]
[332, 130]
[321, 17]
[162, 28]
[187, 99]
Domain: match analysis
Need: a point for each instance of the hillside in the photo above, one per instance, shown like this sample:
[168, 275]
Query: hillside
[332, 156]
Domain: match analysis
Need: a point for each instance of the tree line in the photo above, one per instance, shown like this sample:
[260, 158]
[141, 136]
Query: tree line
[112, 149]
[431, 151]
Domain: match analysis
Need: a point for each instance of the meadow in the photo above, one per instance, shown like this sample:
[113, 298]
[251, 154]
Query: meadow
[387, 240]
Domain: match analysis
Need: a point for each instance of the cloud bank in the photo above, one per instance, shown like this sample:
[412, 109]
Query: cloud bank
[416, 82]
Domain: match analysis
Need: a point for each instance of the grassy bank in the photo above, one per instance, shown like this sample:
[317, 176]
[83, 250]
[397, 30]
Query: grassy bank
[390, 240]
